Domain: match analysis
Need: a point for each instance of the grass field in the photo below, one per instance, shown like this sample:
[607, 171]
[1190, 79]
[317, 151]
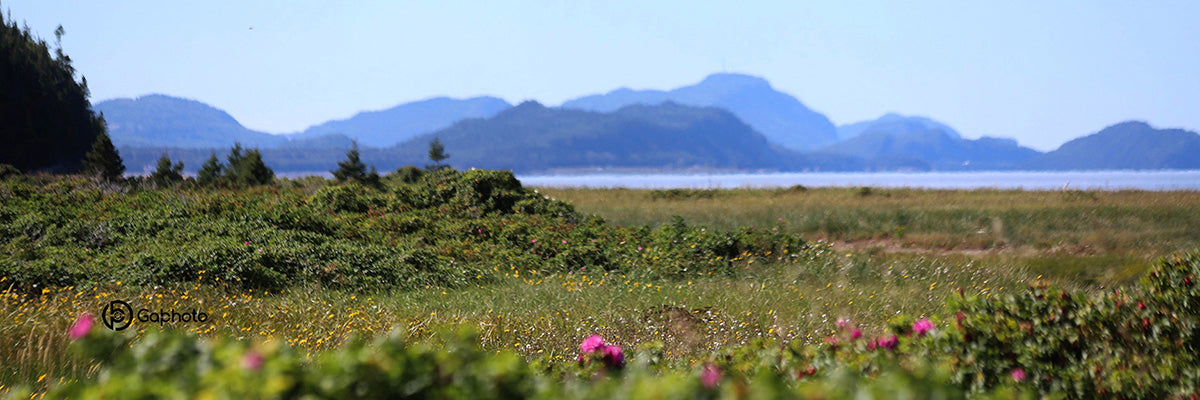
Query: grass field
[878, 253]
[537, 314]
[1087, 237]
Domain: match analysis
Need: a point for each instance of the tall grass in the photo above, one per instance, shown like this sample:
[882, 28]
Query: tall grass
[1140, 223]
[530, 312]
[890, 251]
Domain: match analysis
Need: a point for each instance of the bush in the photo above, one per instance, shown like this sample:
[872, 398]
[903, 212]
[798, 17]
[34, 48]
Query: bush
[682, 194]
[447, 228]
[345, 198]
[405, 174]
[8, 171]
[1141, 342]
[181, 366]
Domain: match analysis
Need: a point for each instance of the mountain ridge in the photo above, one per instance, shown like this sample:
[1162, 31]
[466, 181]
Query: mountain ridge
[780, 117]
[1125, 145]
[890, 142]
[895, 123]
[151, 119]
[533, 137]
[387, 127]
[159, 120]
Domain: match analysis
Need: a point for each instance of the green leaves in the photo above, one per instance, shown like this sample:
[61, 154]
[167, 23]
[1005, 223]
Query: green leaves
[162, 364]
[1112, 344]
[103, 160]
[447, 228]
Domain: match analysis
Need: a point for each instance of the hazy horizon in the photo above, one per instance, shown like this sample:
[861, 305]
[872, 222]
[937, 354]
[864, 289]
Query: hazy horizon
[1040, 73]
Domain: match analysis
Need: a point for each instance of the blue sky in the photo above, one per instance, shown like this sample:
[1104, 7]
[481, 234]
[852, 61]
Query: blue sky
[1041, 72]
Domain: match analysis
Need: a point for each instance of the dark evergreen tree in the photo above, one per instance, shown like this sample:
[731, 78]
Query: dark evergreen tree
[437, 152]
[372, 179]
[352, 168]
[46, 121]
[246, 168]
[103, 160]
[167, 173]
[256, 171]
[234, 159]
[210, 172]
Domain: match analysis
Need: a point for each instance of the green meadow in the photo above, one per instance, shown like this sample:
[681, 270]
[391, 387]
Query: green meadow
[748, 282]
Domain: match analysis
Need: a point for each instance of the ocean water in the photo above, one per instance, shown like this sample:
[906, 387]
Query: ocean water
[1028, 180]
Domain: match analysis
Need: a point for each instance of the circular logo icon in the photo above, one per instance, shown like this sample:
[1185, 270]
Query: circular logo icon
[117, 315]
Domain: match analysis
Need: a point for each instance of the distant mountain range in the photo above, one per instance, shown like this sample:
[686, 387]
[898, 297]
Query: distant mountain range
[894, 124]
[532, 137]
[899, 142]
[164, 121]
[397, 124]
[725, 122]
[1127, 145]
[160, 120]
[781, 118]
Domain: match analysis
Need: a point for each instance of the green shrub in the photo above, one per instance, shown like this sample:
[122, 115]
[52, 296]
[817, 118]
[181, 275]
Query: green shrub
[8, 172]
[346, 198]
[405, 174]
[446, 229]
[1140, 342]
[173, 365]
[682, 194]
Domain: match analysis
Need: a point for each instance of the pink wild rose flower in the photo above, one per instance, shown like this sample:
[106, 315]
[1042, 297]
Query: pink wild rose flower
[889, 343]
[591, 344]
[253, 360]
[710, 376]
[613, 356]
[922, 326]
[82, 326]
[1018, 374]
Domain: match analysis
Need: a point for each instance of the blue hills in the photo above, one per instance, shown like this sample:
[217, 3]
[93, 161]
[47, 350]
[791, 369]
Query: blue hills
[1126, 145]
[729, 122]
[781, 118]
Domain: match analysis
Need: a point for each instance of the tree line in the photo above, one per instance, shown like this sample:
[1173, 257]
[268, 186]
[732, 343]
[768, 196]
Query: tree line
[46, 121]
[47, 124]
[245, 167]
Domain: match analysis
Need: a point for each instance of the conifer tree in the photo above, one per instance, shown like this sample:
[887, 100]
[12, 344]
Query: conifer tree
[373, 179]
[103, 160]
[167, 173]
[437, 153]
[46, 120]
[257, 171]
[234, 159]
[210, 172]
[246, 168]
[352, 168]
